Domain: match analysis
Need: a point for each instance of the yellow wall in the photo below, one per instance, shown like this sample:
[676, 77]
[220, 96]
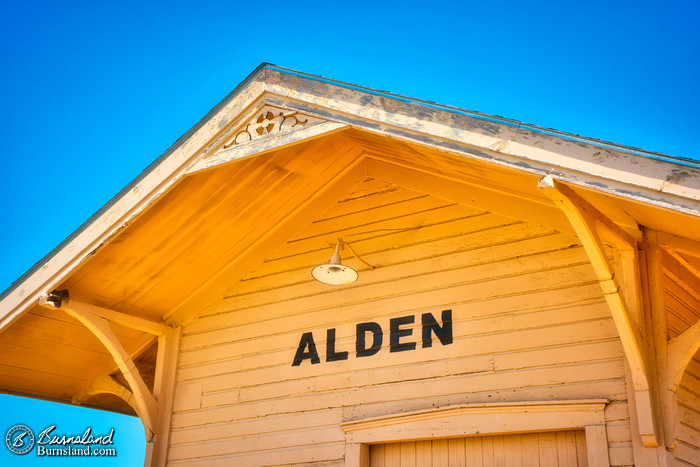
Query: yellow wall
[529, 324]
[688, 450]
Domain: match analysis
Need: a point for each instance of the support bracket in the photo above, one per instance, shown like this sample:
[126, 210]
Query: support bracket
[105, 385]
[585, 219]
[97, 320]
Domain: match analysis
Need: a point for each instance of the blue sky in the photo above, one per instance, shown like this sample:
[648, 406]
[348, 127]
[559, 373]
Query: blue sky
[91, 93]
[70, 421]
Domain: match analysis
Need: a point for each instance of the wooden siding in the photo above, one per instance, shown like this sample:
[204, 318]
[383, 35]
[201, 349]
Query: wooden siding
[530, 323]
[168, 246]
[688, 450]
[563, 448]
[681, 291]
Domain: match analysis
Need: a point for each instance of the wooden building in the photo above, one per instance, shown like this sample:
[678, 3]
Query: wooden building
[525, 296]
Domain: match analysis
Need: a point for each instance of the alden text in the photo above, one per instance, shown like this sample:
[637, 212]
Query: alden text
[400, 332]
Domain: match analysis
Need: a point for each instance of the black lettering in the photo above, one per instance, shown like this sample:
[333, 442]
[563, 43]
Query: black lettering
[331, 354]
[307, 340]
[396, 333]
[444, 332]
[360, 342]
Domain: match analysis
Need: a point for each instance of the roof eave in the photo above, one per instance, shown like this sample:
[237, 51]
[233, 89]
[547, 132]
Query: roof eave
[615, 169]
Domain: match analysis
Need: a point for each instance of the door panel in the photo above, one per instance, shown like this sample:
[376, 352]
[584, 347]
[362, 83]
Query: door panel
[562, 448]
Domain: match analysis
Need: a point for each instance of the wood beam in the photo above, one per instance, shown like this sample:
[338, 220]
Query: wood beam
[152, 327]
[102, 385]
[468, 194]
[87, 391]
[583, 217]
[144, 344]
[683, 245]
[619, 235]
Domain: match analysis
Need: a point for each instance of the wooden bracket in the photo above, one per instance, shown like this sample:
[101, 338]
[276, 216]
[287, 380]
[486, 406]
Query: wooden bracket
[133, 322]
[105, 385]
[585, 220]
[97, 320]
[144, 400]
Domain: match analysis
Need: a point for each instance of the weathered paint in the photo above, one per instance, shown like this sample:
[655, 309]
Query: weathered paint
[445, 204]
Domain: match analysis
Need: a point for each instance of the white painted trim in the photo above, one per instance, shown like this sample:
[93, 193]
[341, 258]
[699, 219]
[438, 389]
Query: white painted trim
[269, 143]
[621, 174]
[493, 141]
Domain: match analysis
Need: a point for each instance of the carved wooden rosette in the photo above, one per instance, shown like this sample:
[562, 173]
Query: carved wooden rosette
[270, 121]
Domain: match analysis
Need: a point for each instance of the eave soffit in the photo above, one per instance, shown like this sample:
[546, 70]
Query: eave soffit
[279, 100]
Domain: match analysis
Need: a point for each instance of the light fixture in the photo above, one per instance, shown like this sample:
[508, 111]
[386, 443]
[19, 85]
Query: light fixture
[335, 273]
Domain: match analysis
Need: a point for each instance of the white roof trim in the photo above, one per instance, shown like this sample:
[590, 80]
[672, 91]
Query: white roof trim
[652, 178]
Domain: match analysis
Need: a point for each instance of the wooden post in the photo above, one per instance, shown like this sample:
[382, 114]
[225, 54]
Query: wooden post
[597, 444]
[166, 370]
[666, 398]
[356, 455]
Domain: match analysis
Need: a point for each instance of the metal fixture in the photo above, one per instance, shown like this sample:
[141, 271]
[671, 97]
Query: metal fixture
[335, 273]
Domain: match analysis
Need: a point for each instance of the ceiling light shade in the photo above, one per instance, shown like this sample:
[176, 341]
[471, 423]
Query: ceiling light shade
[334, 273]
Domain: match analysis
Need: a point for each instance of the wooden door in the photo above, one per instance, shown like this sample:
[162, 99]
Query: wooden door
[563, 448]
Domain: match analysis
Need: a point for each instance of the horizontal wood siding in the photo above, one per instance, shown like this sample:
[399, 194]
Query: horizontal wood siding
[688, 450]
[529, 323]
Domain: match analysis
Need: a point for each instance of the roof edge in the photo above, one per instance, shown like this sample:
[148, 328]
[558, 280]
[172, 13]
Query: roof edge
[684, 161]
[258, 71]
